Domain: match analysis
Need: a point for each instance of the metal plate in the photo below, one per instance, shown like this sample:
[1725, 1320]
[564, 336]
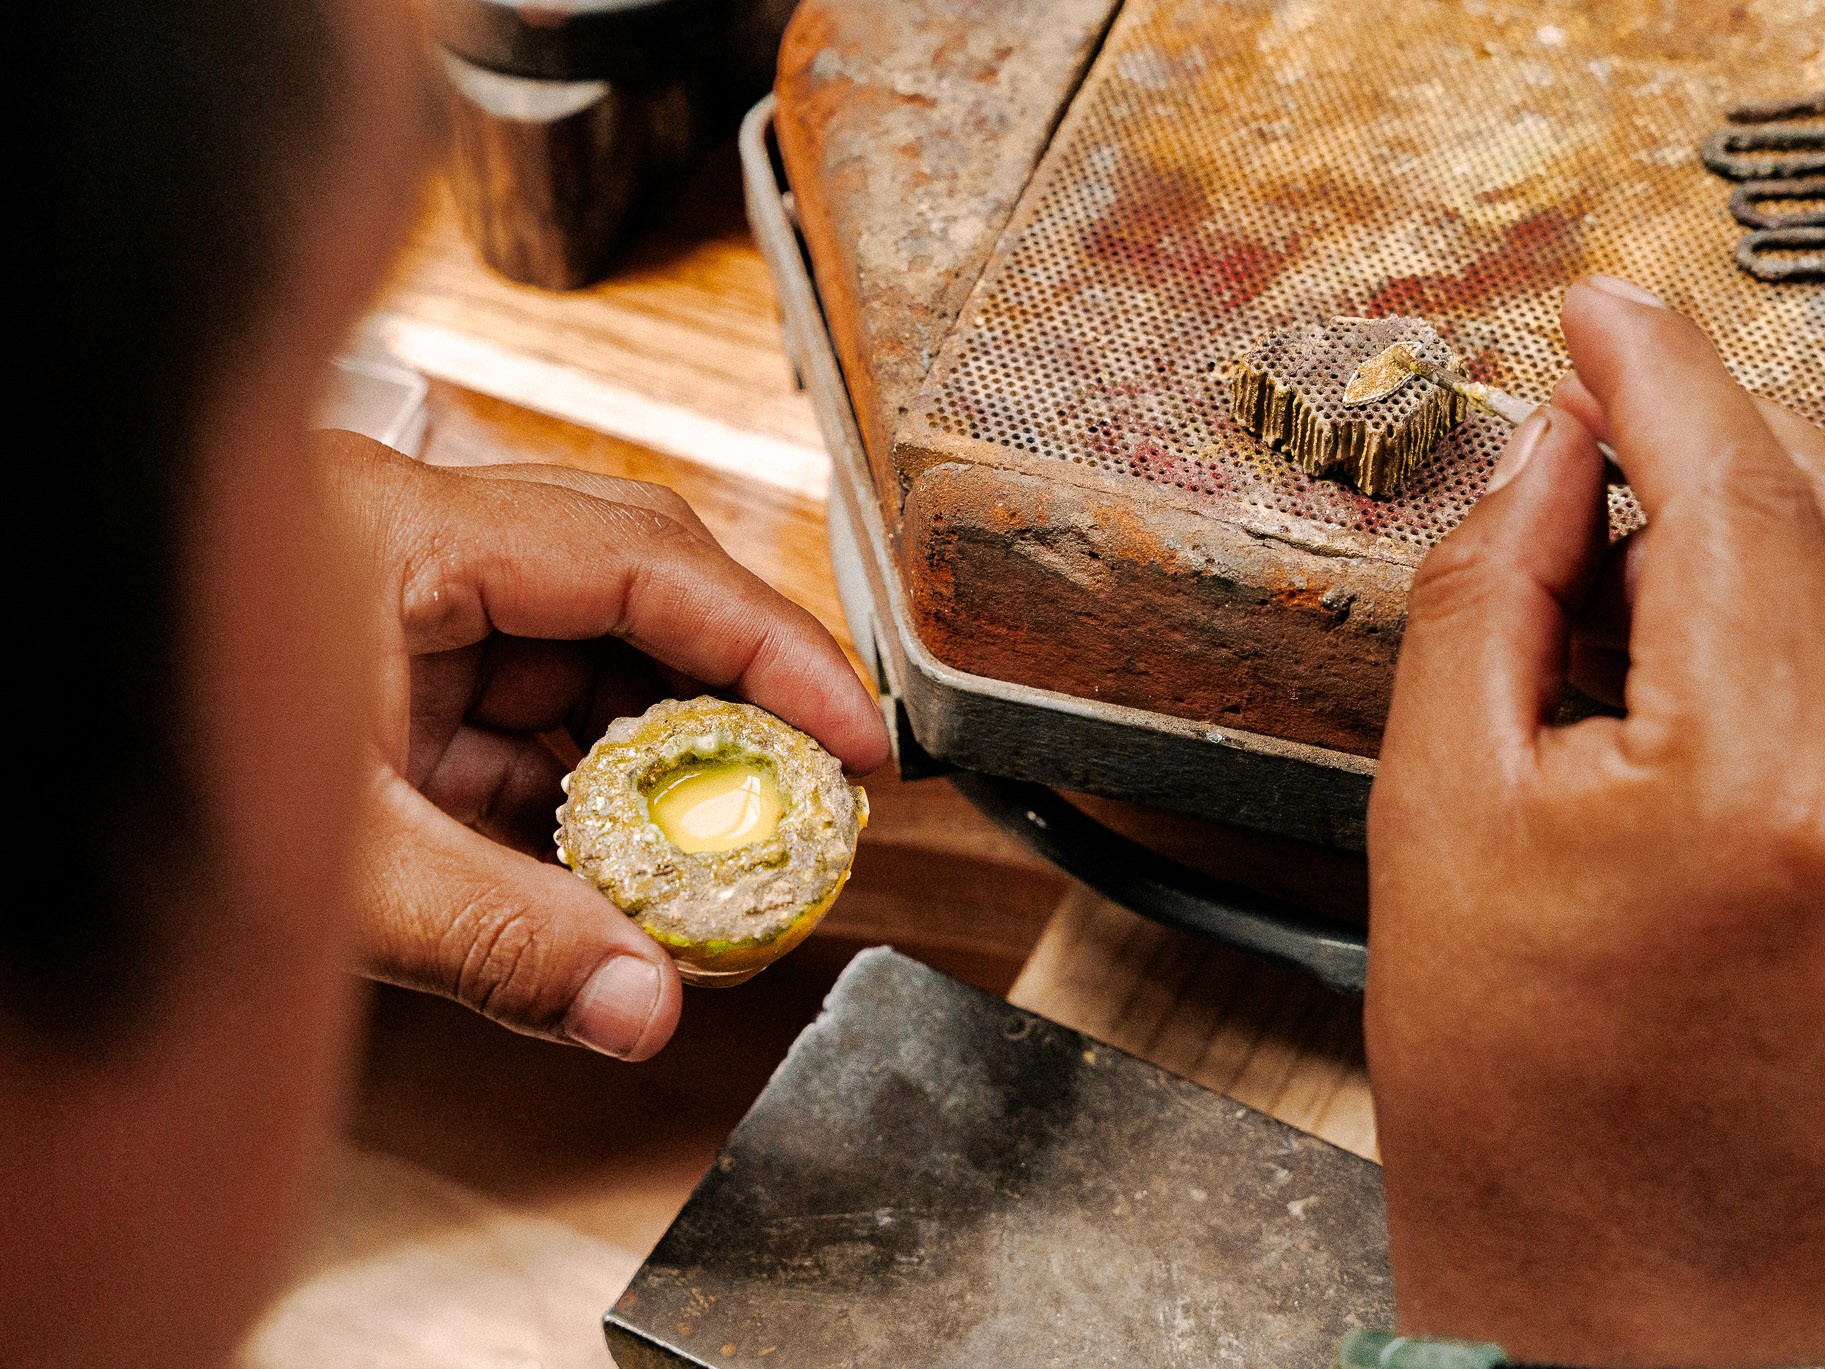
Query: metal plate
[935, 1177]
[1235, 167]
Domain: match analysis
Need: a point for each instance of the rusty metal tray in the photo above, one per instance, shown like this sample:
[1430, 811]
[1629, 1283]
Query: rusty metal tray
[1004, 743]
[1028, 237]
[942, 717]
[1041, 229]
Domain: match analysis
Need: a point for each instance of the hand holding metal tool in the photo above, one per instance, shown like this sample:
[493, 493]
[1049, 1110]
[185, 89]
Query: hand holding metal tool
[1572, 865]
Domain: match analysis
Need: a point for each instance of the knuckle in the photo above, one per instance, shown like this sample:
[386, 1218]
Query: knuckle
[621, 498]
[647, 523]
[1792, 824]
[669, 525]
[620, 489]
[1665, 731]
[1743, 485]
[665, 498]
[424, 560]
[1757, 843]
[615, 489]
[439, 606]
[498, 968]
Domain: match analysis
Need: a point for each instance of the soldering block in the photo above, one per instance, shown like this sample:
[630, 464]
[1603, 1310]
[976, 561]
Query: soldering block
[1289, 391]
[1041, 230]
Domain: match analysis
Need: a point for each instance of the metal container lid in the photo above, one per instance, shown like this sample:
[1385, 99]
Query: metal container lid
[629, 41]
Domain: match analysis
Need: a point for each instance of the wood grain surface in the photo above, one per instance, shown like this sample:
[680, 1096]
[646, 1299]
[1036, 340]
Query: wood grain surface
[1264, 1035]
[679, 350]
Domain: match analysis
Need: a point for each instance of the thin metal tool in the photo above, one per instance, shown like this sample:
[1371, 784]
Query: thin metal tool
[1388, 370]
[1402, 358]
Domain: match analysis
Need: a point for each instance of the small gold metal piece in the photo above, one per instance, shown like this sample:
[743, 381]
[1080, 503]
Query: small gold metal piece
[1381, 375]
[722, 831]
[1292, 391]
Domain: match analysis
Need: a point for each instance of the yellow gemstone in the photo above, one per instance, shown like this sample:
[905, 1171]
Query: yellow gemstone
[716, 806]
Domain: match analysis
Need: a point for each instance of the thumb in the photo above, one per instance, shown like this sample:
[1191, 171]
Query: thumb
[530, 945]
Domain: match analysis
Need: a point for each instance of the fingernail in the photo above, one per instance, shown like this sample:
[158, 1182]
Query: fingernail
[1520, 449]
[1625, 289]
[614, 1007]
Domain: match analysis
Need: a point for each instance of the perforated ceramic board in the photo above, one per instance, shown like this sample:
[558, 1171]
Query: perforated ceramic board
[1231, 167]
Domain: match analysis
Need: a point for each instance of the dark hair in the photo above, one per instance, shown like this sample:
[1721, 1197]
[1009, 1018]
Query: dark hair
[162, 137]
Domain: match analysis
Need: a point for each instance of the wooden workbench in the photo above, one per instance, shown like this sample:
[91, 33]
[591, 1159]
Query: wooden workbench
[492, 1193]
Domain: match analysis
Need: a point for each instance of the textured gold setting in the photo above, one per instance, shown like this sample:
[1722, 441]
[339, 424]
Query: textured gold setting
[724, 915]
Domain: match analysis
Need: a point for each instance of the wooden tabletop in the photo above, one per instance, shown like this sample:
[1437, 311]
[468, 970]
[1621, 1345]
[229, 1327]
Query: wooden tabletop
[492, 1193]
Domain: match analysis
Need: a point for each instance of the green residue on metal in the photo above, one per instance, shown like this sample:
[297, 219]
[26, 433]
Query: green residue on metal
[1384, 1350]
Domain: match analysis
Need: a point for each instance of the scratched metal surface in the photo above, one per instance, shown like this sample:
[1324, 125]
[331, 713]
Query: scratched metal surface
[909, 131]
[1236, 166]
[936, 1178]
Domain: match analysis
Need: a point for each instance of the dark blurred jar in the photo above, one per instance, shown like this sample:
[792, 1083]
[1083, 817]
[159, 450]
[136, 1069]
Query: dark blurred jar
[565, 114]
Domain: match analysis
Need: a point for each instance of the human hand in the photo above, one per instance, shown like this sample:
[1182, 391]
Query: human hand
[1596, 1003]
[517, 600]
[1600, 632]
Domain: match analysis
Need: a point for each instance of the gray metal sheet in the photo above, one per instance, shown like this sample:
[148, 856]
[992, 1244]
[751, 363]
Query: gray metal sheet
[934, 1177]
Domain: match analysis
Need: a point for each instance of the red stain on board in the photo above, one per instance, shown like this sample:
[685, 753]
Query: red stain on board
[1540, 247]
[1164, 235]
[1150, 460]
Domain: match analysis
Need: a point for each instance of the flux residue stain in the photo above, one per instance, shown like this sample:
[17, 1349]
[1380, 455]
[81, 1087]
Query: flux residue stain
[1543, 246]
[1162, 232]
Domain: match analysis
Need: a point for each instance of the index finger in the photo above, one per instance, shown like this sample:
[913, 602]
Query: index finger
[1686, 434]
[1734, 538]
[1482, 662]
[615, 488]
[1805, 442]
[535, 559]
